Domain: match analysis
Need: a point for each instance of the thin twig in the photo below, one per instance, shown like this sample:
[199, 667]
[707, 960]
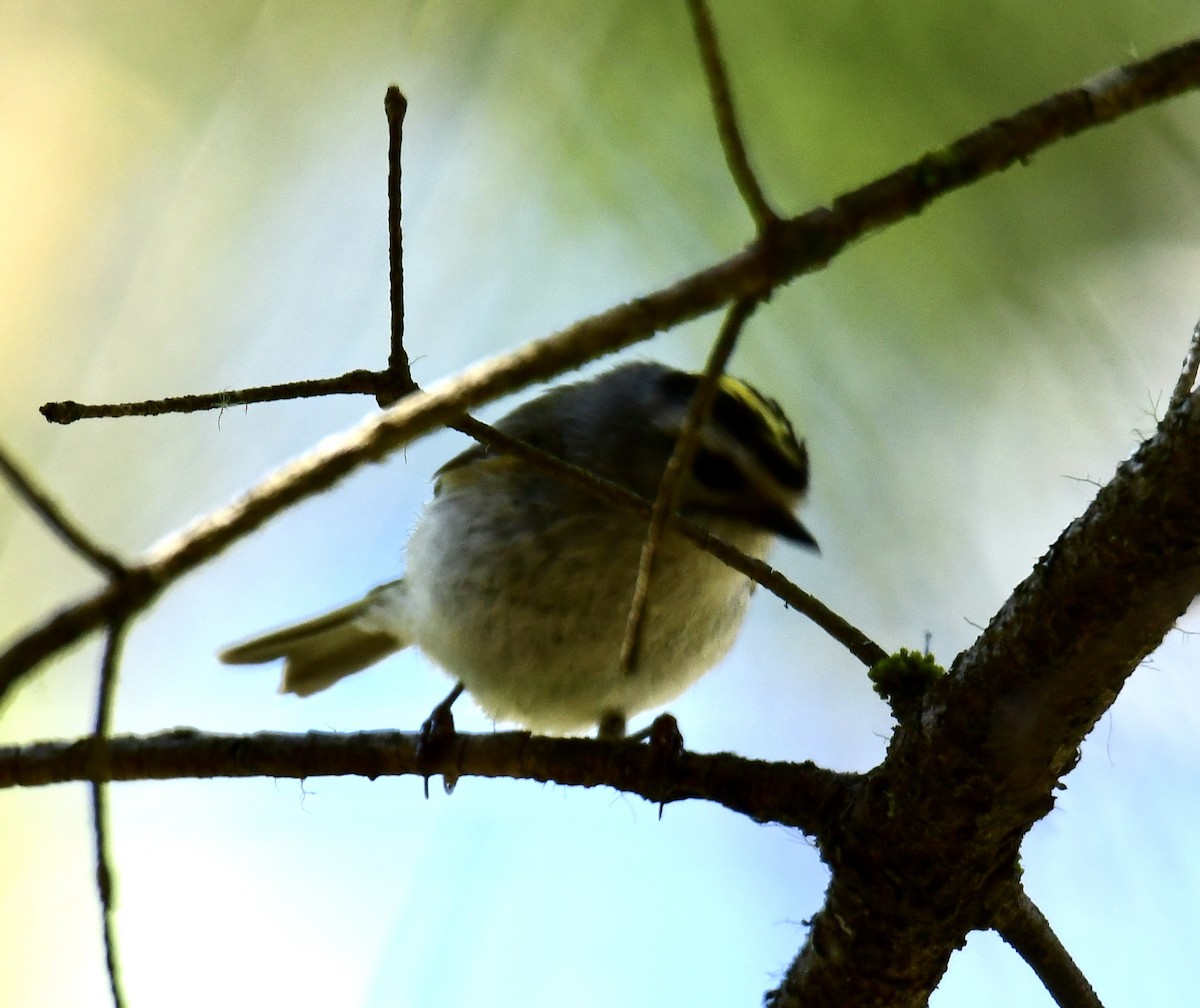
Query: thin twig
[104, 887]
[100, 766]
[396, 105]
[727, 126]
[797, 246]
[1024, 927]
[351, 382]
[666, 501]
[1187, 374]
[107, 684]
[760, 572]
[50, 513]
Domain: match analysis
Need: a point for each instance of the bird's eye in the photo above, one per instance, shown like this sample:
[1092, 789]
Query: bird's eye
[716, 472]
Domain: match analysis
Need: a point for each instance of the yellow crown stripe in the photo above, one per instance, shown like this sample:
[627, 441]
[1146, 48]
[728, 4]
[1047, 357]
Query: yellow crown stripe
[778, 426]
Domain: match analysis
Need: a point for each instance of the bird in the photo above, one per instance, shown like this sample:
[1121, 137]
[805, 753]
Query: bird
[519, 584]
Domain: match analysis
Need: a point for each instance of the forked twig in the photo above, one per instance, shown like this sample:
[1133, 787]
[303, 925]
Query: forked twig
[800, 245]
[759, 571]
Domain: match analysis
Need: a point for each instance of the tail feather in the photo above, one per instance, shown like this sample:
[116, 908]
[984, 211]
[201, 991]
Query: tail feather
[320, 651]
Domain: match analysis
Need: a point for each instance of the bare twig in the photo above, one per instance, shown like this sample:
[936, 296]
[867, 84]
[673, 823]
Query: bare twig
[727, 126]
[352, 382]
[107, 685]
[50, 513]
[802, 795]
[100, 776]
[1187, 374]
[396, 105]
[797, 245]
[666, 501]
[104, 887]
[762, 573]
[1024, 927]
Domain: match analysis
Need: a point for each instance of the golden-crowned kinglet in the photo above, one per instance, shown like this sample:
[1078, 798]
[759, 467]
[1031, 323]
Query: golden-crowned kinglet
[519, 584]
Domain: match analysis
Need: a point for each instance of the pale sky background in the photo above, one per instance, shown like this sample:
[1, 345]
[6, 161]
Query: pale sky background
[193, 198]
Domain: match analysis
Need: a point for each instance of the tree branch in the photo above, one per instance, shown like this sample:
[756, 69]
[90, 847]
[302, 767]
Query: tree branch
[395, 104]
[941, 820]
[730, 134]
[1024, 927]
[352, 382]
[802, 795]
[796, 246]
[1186, 382]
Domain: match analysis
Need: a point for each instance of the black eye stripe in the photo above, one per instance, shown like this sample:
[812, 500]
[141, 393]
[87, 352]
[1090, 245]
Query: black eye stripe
[744, 423]
[716, 472]
[788, 463]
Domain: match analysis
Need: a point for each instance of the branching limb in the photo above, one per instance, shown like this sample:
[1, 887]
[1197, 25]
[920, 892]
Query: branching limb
[801, 244]
[806, 243]
[320, 469]
[962, 784]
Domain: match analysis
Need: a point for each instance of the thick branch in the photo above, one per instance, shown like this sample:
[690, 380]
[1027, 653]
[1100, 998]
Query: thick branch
[1024, 927]
[802, 795]
[941, 820]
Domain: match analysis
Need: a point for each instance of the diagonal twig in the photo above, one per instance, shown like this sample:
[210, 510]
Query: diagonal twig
[50, 513]
[759, 571]
[1187, 374]
[100, 775]
[728, 130]
[1017, 919]
[666, 501]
